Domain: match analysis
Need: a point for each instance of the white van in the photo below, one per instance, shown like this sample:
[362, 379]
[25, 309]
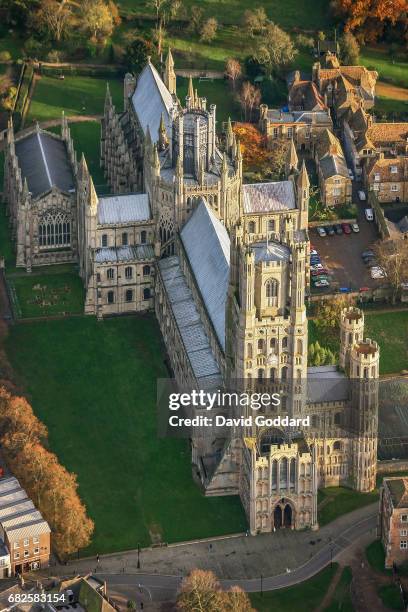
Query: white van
[369, 214]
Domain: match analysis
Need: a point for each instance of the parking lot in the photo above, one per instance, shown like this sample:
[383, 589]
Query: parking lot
[342, 256]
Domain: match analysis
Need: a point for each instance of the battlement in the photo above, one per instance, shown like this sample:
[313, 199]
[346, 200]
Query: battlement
[367, 348]
[352, 315]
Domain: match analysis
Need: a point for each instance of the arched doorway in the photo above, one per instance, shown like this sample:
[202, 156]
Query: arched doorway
[287, 516]
[277, 517]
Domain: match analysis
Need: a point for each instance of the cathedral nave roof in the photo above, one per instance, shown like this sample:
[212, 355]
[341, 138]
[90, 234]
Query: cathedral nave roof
[129, 208]
[269, 197]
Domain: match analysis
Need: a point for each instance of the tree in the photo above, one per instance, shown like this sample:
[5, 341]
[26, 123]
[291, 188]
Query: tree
[274, 49]
[393, 259]
[255, 21]
[137, 53]
[371, 16]
[209, 30]
[196, 18]
[327, 320]
[233, 70]
[304, 42]
[319, 355]
[97, 19]
[249, 97]
[52, 18]
[201, 592]
[349, 49]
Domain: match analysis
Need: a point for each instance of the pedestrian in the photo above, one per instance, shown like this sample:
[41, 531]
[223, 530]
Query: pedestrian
[209, 547]
[141, 605]
[97, 558]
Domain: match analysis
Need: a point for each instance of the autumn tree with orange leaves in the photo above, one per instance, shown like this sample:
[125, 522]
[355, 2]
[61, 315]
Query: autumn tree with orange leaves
[51, 487]
[370, 17]
[256, 157]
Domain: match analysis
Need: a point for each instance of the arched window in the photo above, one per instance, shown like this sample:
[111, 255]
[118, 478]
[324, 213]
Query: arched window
[271, 225]
[274, 475]
[284, 373]
[124, 238]
[54, 230]
[285, 342]
[260, 374]
[337, 445]
[272, 343]
[283, 475]
[300, 347]
[260, 345]
[129, 295]
[271, 292]
[110, 273]
[251, 227]
[128, 272]
[292, 472]
[143, 237]
[249, 350]
[111, 297]
[272, 374]
[337, 418]
[104, 240]
[146, 294]
[146, 270]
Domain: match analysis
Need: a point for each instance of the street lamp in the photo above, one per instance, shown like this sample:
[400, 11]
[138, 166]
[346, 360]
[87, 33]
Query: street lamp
[138, 556]
[261, 585]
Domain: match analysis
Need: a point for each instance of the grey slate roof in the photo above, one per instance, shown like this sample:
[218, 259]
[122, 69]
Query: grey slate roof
[271, 251]
[21, 519]
[44, 162]
[269, 197]
[207, 247]
[151, 98]
[120, 254]
[196, 343]
[128, 208]
[333, 165]
[326, 384]
[275, 115]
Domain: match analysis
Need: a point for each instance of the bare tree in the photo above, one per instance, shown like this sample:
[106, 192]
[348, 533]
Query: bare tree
[209, 30]
[393, 259]
[233, 70]
[53, 16]
[254, 21]
[249, 97]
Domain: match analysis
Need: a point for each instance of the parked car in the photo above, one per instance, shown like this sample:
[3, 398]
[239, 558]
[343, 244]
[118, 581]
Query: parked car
[355, 228]
[322, 283]
[317, 279]
[321, 231]
[329, 230]
[338, 229]
[350, 173]
[346, 228]
[344, 290]
[313, 252]
[362, 196]
[377, 272]
[369, 214]
[364, 289]
[316, 267]
[314, 273]
[367, 253]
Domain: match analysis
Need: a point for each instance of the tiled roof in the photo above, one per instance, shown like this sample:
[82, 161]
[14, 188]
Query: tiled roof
[207, 246]
[327, 144]
[269, 197]
[382, 166]
[18, 517]
[385, 133]
[305, 95]
[150, 100]
[44, 162]
[142, 252]
[398, 488]
[124, 209]
[333, 165]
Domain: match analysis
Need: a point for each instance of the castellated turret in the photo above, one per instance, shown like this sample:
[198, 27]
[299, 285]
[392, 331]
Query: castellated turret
[365, 360]
[351, 333]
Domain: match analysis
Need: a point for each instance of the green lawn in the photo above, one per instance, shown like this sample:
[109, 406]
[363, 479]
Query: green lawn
[389, 329]
[376, 557]
[6, 245]
[388, 109]
[341, 599]
[392, 71]
[87, 138]
[94, 385]
[39, 295]
[390, 595]
[76, 95]
[341, 501]
[1, 170]
[216, 92]
[300, 598]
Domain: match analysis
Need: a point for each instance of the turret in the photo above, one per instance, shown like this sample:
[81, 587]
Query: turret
[302, 185]
[163, 139]
[190, 102]
[351, 333]
[169, 73]
[365, 360]
[229, 136]
[292, 159]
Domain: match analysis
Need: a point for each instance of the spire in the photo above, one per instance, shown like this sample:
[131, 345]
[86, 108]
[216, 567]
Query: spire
[224, 163]
[196, 99]
[163, 140]
[190, 93]
[303, 179]
[83, 168]
[169, 73]
[230, 134]
[239, 152]
[156, 159]
[148, 136]
[10, 130]
[292, 159]
[108, 97]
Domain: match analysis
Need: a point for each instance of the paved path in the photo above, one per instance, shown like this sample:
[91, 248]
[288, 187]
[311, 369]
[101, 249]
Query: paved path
[239, 560]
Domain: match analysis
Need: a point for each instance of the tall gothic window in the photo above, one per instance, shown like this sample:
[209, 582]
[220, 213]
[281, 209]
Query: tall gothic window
[143, 237]
[54, 230]
[271, 292]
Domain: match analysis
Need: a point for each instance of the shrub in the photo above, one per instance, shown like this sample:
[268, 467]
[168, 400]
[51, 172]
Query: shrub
[5, 56]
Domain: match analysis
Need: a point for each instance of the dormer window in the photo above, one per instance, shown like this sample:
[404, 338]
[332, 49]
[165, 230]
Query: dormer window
[377, 177]
[394, 169]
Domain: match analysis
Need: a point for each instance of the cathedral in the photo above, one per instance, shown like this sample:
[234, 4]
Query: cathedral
[225, 267]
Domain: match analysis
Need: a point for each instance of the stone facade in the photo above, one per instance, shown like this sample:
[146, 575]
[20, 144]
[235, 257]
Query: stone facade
[393, 520]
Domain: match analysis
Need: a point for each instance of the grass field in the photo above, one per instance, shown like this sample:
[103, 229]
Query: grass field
[76, 95]
[94, 386]
[376, 557]
[87, 138]
[341, 598]
[389, 329]
[216, 92]
[341, 501]
[391, 597]
[393, 71]
[40, 295]
[304, 596]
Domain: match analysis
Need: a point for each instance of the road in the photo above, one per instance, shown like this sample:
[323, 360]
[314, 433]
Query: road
[156, 587]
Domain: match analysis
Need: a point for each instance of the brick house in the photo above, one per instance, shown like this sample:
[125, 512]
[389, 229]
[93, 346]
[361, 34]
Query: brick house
[387, 177]
[393, 520]
[334, 180]
[22, 529]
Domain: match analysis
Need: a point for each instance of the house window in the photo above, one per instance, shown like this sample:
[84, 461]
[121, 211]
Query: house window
[376, 187]
[110, 273]
[16, 544]
[275, 132]
[271, 292]
[290, 132]
[26, 553]
[128, 272]
[403, 544]
[271, 225]
[143, 236]
[403, 532]
[124, 238]
[104, 240]
[146, 294]
[54, 230]
[336, 181]
[394, 169]
[111, 297]
[146, 270]
[336, 191]
[284, 343]
[36, 540]
[404, 518]
[26, 542]
[98, 277]
[16, 555]
[129, 295]
[394, 187]
[36, 550]
[377, 177]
